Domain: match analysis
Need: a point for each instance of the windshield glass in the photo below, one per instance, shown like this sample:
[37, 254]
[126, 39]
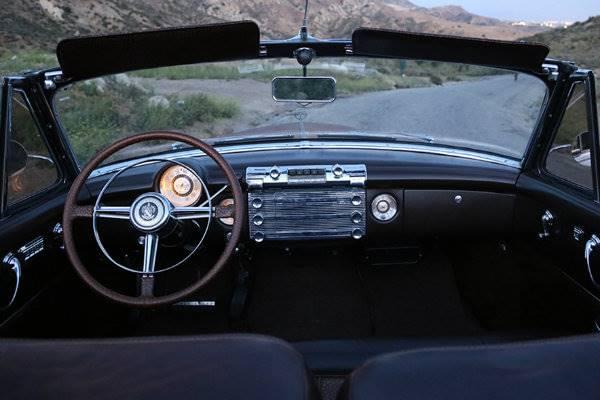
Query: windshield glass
[430, 103]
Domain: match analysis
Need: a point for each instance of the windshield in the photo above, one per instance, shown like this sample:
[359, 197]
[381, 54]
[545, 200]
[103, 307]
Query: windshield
[430, 103]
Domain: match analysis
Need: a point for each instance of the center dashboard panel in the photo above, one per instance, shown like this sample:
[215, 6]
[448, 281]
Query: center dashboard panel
[307, 202]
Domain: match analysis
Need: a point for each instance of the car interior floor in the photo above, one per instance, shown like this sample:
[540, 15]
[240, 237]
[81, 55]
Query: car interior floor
[489, 288]
[321, 294]
[340, 306]
[480, 288]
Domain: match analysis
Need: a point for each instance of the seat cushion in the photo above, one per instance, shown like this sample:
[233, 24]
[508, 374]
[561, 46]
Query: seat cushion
[209, 367]
[345, 355]
[553, 369]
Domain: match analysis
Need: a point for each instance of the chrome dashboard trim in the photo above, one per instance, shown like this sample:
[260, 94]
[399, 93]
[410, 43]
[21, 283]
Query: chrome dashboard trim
[320, 145]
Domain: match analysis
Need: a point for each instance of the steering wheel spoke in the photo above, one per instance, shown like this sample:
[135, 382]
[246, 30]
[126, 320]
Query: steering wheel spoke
[185, 213]
[83, 212]
[150, 252]
[113, 212]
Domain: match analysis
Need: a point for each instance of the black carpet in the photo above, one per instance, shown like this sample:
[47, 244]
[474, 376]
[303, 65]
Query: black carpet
[418, 300]
[312, 294]
[316, 294]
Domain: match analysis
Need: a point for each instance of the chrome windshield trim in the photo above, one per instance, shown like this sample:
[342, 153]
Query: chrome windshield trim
[321, 145]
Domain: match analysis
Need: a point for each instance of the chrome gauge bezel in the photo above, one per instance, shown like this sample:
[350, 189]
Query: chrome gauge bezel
[388, 215]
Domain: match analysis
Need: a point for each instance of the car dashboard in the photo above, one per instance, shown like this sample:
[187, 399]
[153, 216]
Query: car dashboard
[307, 195]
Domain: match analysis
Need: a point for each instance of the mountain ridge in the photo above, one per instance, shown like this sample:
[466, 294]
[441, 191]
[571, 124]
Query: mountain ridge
[40, 24]
[578, 42]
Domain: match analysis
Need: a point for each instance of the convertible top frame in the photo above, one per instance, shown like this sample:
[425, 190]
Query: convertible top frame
[94, 56]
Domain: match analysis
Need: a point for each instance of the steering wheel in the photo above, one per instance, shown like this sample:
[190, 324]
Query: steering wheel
[151, 214]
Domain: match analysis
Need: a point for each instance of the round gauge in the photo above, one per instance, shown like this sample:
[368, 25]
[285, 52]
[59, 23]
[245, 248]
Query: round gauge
[225, 203]
[384, 207]
[180, 186]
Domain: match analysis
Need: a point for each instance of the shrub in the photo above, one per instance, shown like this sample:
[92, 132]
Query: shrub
[97, 113]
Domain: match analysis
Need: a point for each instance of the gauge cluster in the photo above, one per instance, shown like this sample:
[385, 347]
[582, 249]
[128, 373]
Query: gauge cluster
[180, 186]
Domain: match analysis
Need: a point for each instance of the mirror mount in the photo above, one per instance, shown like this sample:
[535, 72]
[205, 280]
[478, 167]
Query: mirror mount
[304, 56]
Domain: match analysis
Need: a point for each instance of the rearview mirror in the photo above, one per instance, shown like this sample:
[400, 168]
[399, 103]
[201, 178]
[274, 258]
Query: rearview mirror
[303, 89]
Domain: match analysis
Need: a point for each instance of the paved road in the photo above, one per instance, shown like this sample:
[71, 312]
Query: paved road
[496, 110]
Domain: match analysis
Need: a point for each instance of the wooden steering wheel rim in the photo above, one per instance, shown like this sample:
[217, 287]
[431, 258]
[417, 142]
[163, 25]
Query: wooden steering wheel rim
[71, 212]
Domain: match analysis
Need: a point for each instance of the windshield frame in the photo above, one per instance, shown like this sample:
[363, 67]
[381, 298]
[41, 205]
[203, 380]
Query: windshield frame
[342, 48]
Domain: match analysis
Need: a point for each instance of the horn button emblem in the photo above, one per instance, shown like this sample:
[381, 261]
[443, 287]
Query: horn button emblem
[150, 212]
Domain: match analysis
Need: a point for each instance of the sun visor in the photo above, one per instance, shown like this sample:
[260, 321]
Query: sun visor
[421, 46]
[93, 56]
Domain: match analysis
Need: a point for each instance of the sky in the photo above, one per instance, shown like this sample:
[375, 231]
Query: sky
[528, 10]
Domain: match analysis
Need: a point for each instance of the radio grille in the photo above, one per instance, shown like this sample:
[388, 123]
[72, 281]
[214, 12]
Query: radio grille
[286, 213]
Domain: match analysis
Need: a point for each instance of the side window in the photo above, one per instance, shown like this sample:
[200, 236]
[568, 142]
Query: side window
[570, 156]
[30, 166]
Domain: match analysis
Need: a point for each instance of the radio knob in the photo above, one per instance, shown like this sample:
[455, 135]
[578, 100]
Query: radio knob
[275, 173]
[337, 170]
[356, 217]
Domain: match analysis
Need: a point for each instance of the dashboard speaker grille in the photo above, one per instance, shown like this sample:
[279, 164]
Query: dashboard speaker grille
[306, 213]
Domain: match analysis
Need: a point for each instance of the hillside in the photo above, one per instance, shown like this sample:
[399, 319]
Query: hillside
[39, 24]
[579, 42]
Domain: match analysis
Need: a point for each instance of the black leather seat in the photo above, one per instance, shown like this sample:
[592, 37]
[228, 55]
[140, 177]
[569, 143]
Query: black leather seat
[209, 367]
[554, 369]
[343, 356]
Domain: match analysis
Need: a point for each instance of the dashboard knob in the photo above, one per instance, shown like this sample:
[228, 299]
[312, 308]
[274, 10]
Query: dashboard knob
[337, 170]
[258, 220]
[356, 217]
[275, 173]
[357, 233]
[257, 202]
[384, 207]
[259, 237]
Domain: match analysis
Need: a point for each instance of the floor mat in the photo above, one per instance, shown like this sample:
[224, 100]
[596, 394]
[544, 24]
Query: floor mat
[309, 294]
[418, 300]
[319, 294]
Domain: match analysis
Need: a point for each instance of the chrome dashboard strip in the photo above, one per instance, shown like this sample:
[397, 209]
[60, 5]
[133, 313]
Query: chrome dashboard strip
[320, 145]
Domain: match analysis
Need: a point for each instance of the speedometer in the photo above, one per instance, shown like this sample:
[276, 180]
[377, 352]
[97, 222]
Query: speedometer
[180, 186]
